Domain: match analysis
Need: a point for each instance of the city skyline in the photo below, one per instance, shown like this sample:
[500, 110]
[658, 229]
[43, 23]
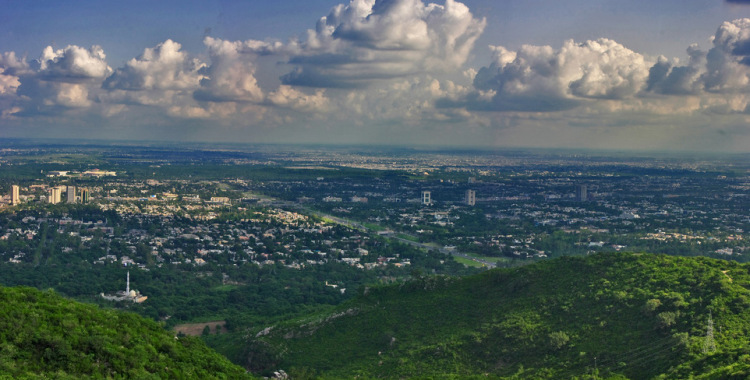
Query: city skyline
[668, 76]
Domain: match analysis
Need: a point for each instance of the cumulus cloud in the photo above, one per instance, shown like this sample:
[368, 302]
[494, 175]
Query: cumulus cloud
[368, 40]
[403, 103]
[719, 80]
[38, 96]
[163, 67]
[669, 78]
[728, 61]
[289, 97]
[8, 83]
[231, 74]
[11, 67]
[73, 64]
[540, 78]
[60, 79]
[724, 69]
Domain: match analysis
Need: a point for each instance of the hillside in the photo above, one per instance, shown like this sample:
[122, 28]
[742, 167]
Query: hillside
[603, 316]
[43, 335]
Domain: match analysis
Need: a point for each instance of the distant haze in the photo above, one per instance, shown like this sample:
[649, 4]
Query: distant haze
[643, 75]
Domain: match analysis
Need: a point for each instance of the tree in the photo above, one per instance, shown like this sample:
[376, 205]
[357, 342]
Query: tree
[558, 339]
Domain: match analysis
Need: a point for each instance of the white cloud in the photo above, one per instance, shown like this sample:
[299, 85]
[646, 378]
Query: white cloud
[724, 69]
[63, 79]
[8, 83]
[366, 40]
[11, 67]
[189, 112]
[381, 69]
[289, 97]
[72, 95]
[163, 67]
[156, 98]
[231, 74]
[73, 64]
[669, 78]
[406, 102]
[540, 78]
[728, 61]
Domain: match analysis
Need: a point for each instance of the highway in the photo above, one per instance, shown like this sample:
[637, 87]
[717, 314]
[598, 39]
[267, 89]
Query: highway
[392, 235]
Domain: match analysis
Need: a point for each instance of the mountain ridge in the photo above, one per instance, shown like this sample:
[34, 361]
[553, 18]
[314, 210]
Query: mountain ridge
[619, 315]
[43, 335]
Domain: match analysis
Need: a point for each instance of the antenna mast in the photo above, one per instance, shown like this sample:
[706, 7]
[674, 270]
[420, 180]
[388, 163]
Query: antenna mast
[709, 345]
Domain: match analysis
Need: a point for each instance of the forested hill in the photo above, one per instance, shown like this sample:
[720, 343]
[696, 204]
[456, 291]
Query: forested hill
[603, 316]
[43, 335]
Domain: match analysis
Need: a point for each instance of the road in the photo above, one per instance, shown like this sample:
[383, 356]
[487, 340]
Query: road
[452, 252]
[391, 235]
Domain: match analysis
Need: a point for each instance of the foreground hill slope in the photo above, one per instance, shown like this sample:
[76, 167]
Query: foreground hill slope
[606, 315]
[43, 335]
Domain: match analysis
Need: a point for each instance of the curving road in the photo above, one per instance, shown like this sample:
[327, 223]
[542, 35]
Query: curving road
[393, 236]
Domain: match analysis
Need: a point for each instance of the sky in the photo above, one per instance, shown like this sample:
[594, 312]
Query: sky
[669, 75]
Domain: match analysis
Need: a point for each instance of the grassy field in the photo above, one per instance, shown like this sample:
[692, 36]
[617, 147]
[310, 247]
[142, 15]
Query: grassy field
[491, 259]
[374, 227]
[467, 262]
[408, 237]
[225, 288]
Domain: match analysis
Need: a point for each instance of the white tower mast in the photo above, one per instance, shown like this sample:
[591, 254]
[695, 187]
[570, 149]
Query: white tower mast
[127, 286]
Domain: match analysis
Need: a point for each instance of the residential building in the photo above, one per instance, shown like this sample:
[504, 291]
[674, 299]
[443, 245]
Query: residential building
[71, 194]
[426, 198]
[15, 197]
[471, 197]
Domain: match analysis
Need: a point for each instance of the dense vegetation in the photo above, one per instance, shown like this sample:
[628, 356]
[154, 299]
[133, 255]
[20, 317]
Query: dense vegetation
[43, 335]
[603, 316]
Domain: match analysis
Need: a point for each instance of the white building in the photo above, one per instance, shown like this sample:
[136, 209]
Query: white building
[426, 198]
[471, 197]
[127, 295]
[54, 195]
[15, 197]
[71, 194]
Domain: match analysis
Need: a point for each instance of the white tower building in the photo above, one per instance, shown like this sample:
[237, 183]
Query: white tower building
[426, 198]
[471, 197]
[15, 197]
[54, 195]
[71, 194]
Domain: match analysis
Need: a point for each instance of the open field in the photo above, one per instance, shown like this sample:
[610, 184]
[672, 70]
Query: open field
[196, 329]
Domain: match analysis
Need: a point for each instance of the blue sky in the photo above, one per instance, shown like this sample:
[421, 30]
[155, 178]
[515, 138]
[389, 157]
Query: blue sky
[667, 75]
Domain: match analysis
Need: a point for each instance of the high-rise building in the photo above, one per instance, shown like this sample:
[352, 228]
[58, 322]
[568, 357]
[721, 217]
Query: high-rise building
[85, 195]
[582, 193]
[54, 195]
[71, 194]
[15, 197]
[426, 198]
[471, 197]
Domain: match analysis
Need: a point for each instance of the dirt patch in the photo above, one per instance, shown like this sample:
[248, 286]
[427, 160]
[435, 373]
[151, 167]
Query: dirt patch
[725, 273]
[195, 329]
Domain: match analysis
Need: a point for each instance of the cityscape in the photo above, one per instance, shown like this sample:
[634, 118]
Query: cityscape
[375, 189]
[255, 235]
